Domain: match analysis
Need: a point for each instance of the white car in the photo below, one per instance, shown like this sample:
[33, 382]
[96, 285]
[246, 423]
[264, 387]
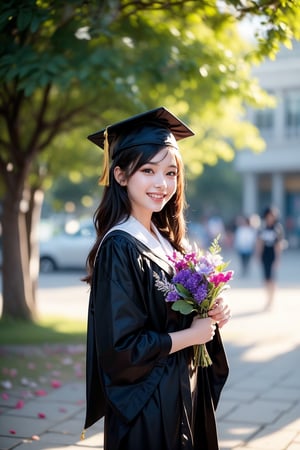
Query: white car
[67, 251]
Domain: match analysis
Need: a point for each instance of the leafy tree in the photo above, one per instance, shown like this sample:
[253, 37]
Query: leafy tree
[67, 67]
[216, 191]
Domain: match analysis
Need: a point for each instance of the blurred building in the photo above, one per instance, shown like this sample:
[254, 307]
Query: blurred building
[273, 177]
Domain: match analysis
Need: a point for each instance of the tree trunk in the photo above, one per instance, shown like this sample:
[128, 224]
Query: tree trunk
[17, 292]
[33, 216]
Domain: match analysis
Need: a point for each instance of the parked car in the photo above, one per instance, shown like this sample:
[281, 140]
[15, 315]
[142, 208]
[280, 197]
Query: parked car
[67, 251]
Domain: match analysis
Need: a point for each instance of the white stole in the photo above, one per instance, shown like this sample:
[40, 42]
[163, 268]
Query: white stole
[158, 244]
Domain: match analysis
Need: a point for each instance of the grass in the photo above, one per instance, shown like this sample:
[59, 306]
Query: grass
[35, 355]
[48, 330]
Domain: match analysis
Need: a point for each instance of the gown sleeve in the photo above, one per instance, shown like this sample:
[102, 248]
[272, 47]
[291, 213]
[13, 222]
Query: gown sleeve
[130, 352]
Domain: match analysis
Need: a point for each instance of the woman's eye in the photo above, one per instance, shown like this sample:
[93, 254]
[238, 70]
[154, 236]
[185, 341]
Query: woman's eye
[147, 170]
[172, 173]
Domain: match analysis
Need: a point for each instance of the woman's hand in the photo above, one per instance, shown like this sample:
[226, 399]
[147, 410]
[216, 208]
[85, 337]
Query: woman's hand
[201, 330]
[204, 329]
[220, 312]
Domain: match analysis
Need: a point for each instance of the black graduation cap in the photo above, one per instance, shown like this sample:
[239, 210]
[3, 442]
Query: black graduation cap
[155, 127]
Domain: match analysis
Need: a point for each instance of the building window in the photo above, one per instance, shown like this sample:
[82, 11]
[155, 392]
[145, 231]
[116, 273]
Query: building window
[292, 113]
[264, 121]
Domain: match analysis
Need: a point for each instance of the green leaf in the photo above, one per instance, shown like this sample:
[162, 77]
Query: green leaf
[182, 291]
[222, 266]
[215, 247]
[183, 307]
[205, 305]
[24, 18]
[38, 18]
[29, 89]
[4, 17]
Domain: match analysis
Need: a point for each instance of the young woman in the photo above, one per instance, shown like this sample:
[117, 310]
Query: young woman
[140, 374]
[269, 248]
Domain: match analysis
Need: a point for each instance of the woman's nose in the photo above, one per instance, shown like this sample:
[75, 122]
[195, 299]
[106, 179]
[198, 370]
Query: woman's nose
[160, 181]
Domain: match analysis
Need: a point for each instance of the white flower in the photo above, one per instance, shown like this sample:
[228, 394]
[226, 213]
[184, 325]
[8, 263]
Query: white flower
[6, 384]
[83, 33]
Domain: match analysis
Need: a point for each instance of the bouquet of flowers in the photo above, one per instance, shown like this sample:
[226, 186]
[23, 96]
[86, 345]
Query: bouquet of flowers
[199, 279]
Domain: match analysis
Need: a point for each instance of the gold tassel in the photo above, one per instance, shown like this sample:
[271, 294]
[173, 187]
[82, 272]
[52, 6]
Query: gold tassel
[104, 180]
[82, 436]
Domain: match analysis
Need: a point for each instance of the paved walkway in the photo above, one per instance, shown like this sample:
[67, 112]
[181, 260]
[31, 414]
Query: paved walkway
[260, 405]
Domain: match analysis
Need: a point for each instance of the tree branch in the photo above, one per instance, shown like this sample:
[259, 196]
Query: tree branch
[59, 124]
[10, 110]
[257, 9]
[39, 126]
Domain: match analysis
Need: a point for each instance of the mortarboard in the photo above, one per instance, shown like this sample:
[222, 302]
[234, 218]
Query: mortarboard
[155, 127]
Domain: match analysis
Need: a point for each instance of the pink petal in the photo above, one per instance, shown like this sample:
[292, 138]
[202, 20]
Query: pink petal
[41, 415]
[40, 393]
[5, 396]
[62, 410]
[56, 383]
[12, 431]
[35, 437]
[26, 394]
[20, 404]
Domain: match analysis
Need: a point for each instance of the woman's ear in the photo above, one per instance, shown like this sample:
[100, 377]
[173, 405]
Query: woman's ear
[120, 176]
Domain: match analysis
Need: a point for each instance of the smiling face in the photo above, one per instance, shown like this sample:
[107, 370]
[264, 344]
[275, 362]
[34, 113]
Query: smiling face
[152, 185]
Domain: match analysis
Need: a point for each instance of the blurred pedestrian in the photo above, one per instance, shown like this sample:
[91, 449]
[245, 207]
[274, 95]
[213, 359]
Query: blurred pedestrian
[269, 247]
[244, 242]
[215, 227]
[140, 370]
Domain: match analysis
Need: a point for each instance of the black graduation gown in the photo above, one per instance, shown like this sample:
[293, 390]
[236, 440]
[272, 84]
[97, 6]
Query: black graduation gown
[143, 392]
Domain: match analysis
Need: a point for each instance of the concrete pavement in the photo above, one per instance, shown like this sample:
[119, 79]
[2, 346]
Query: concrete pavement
[260, 405]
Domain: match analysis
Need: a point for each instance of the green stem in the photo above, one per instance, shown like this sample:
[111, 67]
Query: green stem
[201, 356]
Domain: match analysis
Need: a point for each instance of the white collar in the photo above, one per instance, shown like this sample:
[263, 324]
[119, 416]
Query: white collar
[158, 245]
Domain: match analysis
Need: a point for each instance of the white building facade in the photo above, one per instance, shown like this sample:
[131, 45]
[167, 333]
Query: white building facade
[273, 177]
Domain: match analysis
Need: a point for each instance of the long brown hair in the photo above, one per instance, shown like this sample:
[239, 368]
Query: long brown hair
[115, 205]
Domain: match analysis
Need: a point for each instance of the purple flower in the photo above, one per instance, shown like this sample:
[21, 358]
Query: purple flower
[182, 277]
[204, 266]
[193, 282]
[201, 293]
[181, 265]
[182, 262]
[172, 296]
[198, 281]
